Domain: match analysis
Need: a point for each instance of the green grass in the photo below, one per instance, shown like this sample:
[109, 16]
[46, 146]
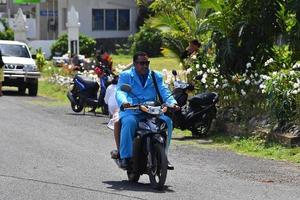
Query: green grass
[251, 146]
[55, 92]
[157, 63]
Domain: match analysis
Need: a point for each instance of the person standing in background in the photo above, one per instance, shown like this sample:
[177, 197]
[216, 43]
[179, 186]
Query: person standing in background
[1, 73]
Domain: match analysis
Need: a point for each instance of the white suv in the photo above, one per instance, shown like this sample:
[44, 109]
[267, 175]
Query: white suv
[19, 69]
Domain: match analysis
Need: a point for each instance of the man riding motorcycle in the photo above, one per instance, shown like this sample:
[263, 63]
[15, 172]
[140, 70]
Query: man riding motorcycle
[143, 90]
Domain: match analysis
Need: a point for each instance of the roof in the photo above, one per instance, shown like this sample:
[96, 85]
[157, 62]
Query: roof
[11, 42]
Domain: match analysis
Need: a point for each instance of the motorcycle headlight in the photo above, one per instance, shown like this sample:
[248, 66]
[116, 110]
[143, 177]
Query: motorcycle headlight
[30, 68]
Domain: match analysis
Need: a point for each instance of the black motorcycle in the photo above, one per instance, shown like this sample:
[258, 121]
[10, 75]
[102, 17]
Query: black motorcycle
[197, 112]
[84, 93]
[149, 145]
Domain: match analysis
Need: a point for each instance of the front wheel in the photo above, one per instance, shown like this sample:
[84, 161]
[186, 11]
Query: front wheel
[133, 176]
[33, 89]
[158, 172]
[77, 107]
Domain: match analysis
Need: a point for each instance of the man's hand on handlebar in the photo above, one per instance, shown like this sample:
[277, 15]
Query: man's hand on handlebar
[126, 105]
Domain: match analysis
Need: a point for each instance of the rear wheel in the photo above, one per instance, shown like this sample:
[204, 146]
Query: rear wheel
[77, 107]
[158, 173]
[201, 128]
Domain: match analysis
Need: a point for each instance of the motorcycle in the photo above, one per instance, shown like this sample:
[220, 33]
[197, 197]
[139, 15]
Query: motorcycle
[149, 156]
[83, 94]
[197, 112]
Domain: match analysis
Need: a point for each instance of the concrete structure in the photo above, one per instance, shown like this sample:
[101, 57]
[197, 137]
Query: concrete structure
[19, 27]
[73, 31]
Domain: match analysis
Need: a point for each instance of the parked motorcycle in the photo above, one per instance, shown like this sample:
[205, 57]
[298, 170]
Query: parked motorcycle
[84, 94]
[149, 145]
[197, 112]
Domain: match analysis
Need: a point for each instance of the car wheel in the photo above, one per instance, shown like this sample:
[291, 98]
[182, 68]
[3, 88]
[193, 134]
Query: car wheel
[21, 90]
[33, 89]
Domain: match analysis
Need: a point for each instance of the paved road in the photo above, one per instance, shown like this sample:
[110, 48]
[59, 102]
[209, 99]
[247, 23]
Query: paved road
[48, 152]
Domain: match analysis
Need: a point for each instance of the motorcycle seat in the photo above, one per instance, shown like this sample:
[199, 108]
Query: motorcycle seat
[203, 99]
[88, 83]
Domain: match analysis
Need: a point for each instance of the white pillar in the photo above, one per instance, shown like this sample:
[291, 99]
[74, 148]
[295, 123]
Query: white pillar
[73, 31]
[19, 26]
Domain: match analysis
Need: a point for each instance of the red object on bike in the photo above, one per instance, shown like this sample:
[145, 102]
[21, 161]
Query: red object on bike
[99, 71]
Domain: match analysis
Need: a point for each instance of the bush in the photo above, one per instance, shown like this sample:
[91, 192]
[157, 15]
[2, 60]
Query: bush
[86, 44]
[148, 40]
[282, 91]
[40, 59]
[8, 33]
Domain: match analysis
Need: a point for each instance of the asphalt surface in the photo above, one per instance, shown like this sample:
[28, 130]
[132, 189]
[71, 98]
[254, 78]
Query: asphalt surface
[49, 152]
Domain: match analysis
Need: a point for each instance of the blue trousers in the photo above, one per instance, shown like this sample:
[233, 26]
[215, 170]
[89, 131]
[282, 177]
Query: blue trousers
[128, 129]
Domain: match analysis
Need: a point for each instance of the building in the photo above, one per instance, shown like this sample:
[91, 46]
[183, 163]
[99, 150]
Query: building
[107, 21]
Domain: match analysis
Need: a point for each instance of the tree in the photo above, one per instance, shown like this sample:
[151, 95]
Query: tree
[8, 33]
[87, 45]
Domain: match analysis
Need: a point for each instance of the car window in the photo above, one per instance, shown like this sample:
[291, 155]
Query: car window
[14, 50]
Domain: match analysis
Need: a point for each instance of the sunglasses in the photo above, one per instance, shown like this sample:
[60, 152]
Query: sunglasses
[143, 62]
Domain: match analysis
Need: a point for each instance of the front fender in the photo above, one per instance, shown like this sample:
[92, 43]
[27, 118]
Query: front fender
[157, 138]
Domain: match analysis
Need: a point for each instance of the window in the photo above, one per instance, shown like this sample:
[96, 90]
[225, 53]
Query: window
[14, 50]
[97, 19]
[3, 2]
[111, 19]
[123, 20]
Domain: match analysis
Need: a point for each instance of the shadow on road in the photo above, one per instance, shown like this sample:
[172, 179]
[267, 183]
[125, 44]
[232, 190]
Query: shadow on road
[87, 114]
[13, 93]
[140, 187]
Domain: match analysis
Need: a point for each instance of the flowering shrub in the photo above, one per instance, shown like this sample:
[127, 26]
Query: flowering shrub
[283, 89]
[272, 87]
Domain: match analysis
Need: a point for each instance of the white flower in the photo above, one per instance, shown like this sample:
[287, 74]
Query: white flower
[194, 57]
[274, 73]
[197, 66]
[215, 81]
[248, 65]
[262, 86]
[243, 92]
[203, 80]
[205, 75]
[217, 86]
[200, 72]
[269, 61]
[296, 66]
[292, 72]
[204, 65]
[208, 70]
[247, 82]
[296, 85]
[225, 85]
[189, 70]
[213, 71]
[252, 58]
[294, 92]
